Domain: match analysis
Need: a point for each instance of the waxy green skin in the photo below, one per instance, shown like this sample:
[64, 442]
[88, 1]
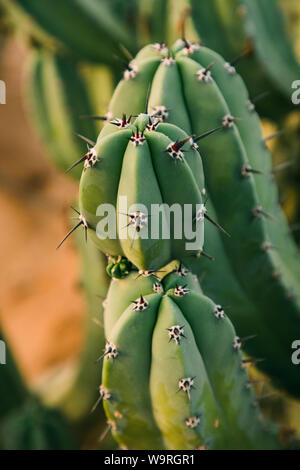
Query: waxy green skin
[268, 279]
[146, 174]
[57, 96]
[145, 409]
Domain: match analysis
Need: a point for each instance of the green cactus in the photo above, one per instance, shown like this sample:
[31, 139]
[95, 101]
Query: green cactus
[173, 373]
[200, 92]
[57, 97]
[238, 29]
[118, 267]
[87, 29]
[12, 389]
[265, 24]
[34, 427]
[143, 162]
[26, 424]
[73, 388]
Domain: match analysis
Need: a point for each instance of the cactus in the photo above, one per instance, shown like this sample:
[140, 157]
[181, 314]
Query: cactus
[173, 373]
[245, 31]
[74, 387]
[26, 424]
[265, 24]
[145, 163]
[57, 97]
[199, 92]
[81, 26]
[34, 427]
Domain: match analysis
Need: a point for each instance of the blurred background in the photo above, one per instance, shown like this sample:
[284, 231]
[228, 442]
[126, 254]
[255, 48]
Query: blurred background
[60, 61]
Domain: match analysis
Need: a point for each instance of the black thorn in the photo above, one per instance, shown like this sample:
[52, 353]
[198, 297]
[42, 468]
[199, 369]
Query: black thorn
[147, 98]
[260, 96]
[272, 136]
[85, 139]
[199, 137]
[211, 258]
[99, 118]
[216, 225]
[126, 52]
[246, 338]
[282, 166]
[75, 164]
[69, 233]
[240, 57]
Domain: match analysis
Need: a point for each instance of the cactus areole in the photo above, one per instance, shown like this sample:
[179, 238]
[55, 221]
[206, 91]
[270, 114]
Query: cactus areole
[141, 193]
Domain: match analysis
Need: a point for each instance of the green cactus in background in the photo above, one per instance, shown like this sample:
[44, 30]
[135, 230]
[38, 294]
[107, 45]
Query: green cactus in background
[73, 387]
[173, 373]
[144, 163]
[58, 100]
[87, 29]
[34, 427]
[26, 424]
[254, 31]
[200, 92]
